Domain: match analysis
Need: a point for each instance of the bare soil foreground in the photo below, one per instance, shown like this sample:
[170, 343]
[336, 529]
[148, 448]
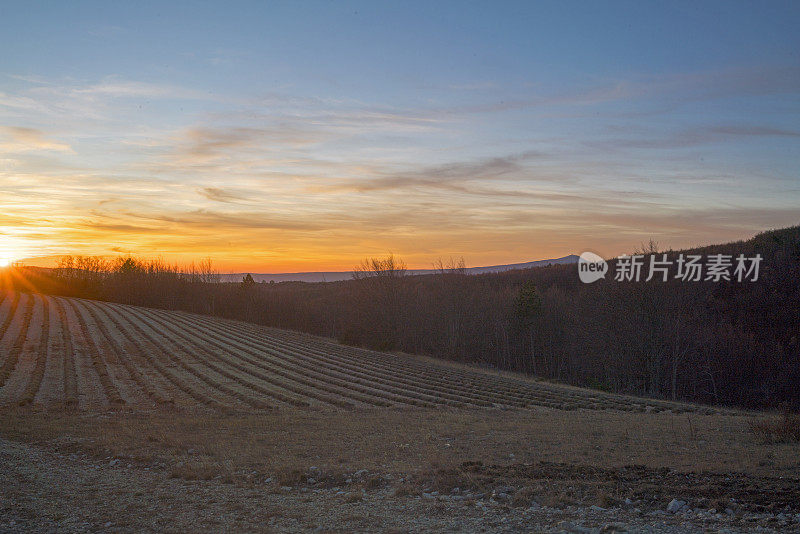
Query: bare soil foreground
[117, 418]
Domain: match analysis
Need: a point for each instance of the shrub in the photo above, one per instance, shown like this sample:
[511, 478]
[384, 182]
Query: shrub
[782, 429]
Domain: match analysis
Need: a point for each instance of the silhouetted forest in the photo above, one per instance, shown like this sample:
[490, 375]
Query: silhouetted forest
[726, 342]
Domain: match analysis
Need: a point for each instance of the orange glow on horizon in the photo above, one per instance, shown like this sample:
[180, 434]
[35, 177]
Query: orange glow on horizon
[308, 264]
[344, 257]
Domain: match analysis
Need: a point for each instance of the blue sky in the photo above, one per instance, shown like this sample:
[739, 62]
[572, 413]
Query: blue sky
[307, 135]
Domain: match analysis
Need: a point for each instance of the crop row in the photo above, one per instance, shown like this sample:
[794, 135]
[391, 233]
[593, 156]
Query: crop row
[84, 354]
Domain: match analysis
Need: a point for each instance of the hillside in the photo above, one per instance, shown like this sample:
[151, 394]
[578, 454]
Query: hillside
[712, 342]
[91, 355]
[103, 403]
[338, 276]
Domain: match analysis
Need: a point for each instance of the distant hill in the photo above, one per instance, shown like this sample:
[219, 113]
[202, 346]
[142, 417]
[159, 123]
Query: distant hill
[336, 276]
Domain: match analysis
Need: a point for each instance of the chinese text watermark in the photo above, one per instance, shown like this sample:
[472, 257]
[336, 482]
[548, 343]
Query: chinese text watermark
[684, 267]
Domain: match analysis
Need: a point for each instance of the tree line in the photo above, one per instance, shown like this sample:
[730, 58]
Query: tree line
[727, 342]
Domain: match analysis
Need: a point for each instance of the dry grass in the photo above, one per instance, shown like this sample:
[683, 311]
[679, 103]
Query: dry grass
[201, 470]
[781, 429]
[285, 443]
[405, 489]
[353, 497]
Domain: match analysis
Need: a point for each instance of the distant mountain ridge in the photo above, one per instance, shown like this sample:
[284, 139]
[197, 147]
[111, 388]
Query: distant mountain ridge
[336, 276]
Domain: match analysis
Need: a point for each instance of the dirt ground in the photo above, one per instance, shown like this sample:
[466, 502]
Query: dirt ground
[393, 470]
[116, 418]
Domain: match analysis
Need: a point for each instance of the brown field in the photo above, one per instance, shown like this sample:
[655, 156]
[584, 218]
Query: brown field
[65, 352]
[141, 419]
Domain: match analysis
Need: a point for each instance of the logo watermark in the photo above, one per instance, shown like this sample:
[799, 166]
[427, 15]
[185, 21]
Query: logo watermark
[591, 267]
[685, 267]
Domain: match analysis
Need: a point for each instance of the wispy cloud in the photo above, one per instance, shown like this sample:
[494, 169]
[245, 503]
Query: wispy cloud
[306, 182]
[117, 88]
[752, 131]
[692, 137]
[672, 88]
[221, 195]
[17, 139]
[439, 176]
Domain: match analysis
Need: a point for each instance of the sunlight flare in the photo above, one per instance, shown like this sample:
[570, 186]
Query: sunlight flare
[12, 250]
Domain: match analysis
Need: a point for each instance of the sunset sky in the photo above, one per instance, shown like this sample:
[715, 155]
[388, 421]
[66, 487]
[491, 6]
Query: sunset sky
[301, 136]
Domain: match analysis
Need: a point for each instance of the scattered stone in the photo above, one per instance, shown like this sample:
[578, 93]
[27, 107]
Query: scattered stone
[566, 526]
[675, 505]
[113, 463]
[595, 508]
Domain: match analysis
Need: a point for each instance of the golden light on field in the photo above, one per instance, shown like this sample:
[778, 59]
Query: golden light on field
[5, 261]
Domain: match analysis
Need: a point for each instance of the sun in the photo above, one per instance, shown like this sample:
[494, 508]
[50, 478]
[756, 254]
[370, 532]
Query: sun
[6, 259]
[11, 250]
